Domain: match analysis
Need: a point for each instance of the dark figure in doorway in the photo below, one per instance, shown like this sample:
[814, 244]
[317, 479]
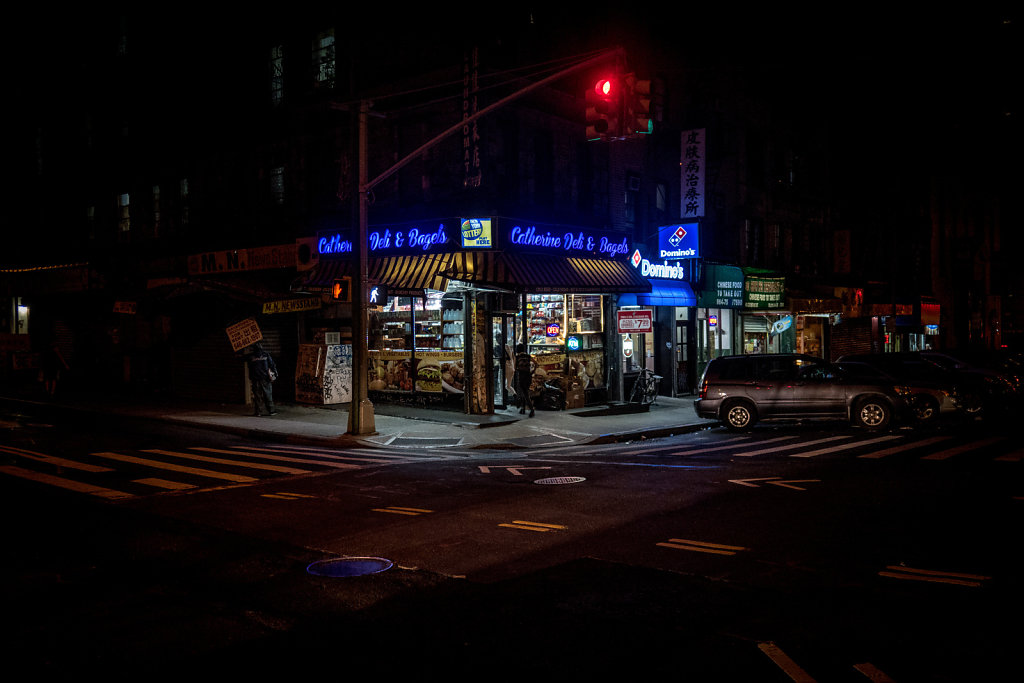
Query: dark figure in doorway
[262, 373]
[524, 378]
[53, 364]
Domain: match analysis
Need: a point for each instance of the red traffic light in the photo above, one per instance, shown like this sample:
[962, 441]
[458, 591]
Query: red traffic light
[605, 88]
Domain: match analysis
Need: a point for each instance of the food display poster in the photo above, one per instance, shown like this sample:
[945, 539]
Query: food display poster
[430, 372]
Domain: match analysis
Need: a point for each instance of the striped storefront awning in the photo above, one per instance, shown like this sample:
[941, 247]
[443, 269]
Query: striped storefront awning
[404, 275]
[545, 274]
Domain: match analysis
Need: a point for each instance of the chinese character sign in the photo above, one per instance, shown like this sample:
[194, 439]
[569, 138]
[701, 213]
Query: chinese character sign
[692, 169]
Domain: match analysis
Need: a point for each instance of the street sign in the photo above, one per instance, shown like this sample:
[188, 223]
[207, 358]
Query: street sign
[635, 322]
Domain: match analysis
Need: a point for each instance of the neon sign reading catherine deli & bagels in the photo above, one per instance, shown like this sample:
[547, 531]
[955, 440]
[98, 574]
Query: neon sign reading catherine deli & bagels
[572, 242]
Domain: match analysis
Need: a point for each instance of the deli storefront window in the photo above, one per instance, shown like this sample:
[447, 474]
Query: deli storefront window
[565, 333]
[417, 345]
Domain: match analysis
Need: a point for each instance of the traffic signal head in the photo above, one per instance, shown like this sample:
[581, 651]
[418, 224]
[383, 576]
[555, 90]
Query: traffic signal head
[604, 109]
[641, 110]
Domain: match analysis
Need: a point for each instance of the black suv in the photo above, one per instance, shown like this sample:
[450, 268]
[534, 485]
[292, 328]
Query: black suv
[975, 391]
[740, 390]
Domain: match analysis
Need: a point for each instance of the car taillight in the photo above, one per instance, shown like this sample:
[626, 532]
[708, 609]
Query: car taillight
[703, 392]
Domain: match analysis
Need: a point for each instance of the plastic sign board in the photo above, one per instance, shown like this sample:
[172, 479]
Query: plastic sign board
[679, 241]
[635, 322]
[244, 333]
[476, 233]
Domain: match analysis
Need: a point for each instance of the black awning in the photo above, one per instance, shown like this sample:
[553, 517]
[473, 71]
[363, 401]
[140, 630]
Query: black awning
[546, 274]
[404, 275]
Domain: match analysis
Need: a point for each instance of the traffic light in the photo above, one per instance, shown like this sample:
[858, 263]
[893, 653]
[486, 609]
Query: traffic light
[642, 121]
[638, 106]
[342, 289]
[604, 109]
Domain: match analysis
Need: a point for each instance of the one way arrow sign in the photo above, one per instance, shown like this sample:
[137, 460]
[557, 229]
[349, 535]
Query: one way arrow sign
[775, 481]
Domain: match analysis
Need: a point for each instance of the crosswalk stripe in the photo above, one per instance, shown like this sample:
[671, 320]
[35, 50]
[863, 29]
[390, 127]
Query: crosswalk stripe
[54, 460]
[333, 455]
[159, 464]
[70, 484]
[905, 447]
[223, 461]
[950, 452]
[696, 451]
[164, 484]
[790, 446]
[280, 458]
[843, 447]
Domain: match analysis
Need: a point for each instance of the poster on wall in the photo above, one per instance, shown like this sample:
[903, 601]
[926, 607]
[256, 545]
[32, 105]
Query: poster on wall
[438, 371]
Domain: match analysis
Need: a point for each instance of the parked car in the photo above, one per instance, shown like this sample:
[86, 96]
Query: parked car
[741, 390]
[974, 391]
[926, 401]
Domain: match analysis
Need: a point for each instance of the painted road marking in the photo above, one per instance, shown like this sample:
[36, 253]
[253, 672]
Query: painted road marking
[223, 461]
[533, 526]
[286, 496]
[785, 662]
[932, 576]
[516, 470]
[353, 454]
[69, 484]
[164, 484]
[788, 447]
[905, 447]
[873, 673]
[280, 458]
[950, 452]
[728, 445]
[1014, 456]
[395, 510]
[158, 464]
[776, 481]
[54, 460]
[843, 447]
[702, 546]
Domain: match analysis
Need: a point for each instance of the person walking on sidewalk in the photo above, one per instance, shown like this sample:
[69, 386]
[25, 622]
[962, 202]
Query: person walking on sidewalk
[525, 366]
[262, 373]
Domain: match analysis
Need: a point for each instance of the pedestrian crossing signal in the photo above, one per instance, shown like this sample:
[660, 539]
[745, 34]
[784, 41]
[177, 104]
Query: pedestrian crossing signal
[342, 289]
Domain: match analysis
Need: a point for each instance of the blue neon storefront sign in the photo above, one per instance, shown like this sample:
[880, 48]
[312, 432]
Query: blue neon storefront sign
[679, 241]
[473, 234]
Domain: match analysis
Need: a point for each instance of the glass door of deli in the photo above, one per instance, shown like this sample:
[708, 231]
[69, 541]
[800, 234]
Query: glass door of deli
[503, 356]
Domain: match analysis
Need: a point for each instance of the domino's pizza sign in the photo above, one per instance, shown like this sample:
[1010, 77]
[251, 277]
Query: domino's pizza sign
[681, 240]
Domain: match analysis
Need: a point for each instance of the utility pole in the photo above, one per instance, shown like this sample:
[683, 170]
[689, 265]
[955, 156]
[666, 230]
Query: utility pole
[360, 415]
[360, 412]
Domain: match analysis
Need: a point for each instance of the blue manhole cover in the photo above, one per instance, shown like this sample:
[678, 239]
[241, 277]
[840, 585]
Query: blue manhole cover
[349, 566]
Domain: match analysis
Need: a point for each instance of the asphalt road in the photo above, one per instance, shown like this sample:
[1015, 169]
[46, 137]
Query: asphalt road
[797, 552]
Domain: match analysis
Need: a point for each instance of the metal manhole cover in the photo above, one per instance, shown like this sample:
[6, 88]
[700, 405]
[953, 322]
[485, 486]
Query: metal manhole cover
[560, 480]
[341, 567]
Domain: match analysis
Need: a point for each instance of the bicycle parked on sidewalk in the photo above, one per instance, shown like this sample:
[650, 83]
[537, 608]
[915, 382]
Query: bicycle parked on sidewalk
[645, 389]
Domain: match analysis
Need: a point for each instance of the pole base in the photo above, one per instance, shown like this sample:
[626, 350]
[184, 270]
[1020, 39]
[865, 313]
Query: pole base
[360, 418]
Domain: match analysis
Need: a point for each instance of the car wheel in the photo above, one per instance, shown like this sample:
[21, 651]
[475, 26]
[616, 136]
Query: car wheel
[924, 409]
[739, 415]
[872, 413]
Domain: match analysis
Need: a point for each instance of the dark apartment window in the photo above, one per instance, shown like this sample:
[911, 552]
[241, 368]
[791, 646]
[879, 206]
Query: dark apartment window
[156, 211]
[183, 196]
[277, 74]
[277, 185]
[323, 60]
[124, 215]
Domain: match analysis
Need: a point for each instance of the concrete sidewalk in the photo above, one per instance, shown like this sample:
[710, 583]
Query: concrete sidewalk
[397, 426]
